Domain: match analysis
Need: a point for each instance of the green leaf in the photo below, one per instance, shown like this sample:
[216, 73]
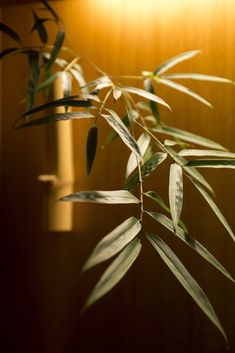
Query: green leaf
[66, 84]
[50, 9]
[114, 272]
[116, 93]
[183, 89]
[143, 143]
[146, 169]
[7, 51]
[91, 146]
[101, 79]
[114, 242]
[148, 85]
[116, 123]
[39, 26]
[51, 119]
[108, 197]
[56, 48]
[212, 163]
[155, 197]
[206, 153]
[79, 77]
[187, 281]
[10, 32]
[190, 241]
[34, 74]
[145, 94]
[195, 76]
[188, 136]
[113, 134]
[176, 192]
[49, 81]
[214, 208]
[175, 60]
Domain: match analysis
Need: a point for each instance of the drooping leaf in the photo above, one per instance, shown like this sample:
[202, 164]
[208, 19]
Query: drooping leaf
[175, 60]
[116, 123]
[214, 208]
[212, 163]
[114, 242]
[50, 9]
[102, 79]
[183, 89]
[56, 48]
[116, 93]
[187, 281]
[154, 196]
[66, 80]
[10, 32]
[206, 153]
[146, 169]
[175, 192]
[34, 74]
[114, 272]
[91, 146]
[113, 134]
[195, 76]
[39, 26]
[148, 85]
[188, 136]
[143, 143]
[49, 81]
[108, 197]
[145, 94]
[51, 119]
[190, 241]
[7, 51]
[79, 77]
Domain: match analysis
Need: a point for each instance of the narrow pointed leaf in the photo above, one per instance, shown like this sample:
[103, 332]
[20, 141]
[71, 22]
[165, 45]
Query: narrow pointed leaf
[212, 163]
[79, 77]
[187, 281]
[206, 153]
[56, 48]
[114, 242]
[114, 272]
[148, 85]
[91, 146]
[108, 197]
[190, 241]
[145, 94]
[7, 51]
[195, 76]
[49, 81]
[113, 134]
[116, 123]
[176, 192]
[50, 9]
[146, 169]
[143, 143]
[10, 32]
[183, 89]
[66, 84]
[116, 93]
[39, 26]
[101, 79]
[175, 60]
[51, 119]
[34, 73]
[214, 208]
[188, 136]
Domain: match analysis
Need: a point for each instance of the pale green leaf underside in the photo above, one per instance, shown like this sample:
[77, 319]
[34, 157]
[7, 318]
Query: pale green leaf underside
[175, 192]
[190, 241]
[145, 94]
[114, 272]
[206, 153]
[114, 242]
[183, 89]
[195, 76]
[215, 208]
[175, 60]
[188, 136]
[108, 197]
[187, 281]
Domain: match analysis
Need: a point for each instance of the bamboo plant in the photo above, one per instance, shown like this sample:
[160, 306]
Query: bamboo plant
[155, 143]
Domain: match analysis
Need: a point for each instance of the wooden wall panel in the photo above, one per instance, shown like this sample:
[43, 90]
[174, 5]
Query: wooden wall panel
[148, 311]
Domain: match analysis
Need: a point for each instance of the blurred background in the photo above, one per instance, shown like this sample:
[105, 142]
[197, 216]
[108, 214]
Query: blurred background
[42, 289]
